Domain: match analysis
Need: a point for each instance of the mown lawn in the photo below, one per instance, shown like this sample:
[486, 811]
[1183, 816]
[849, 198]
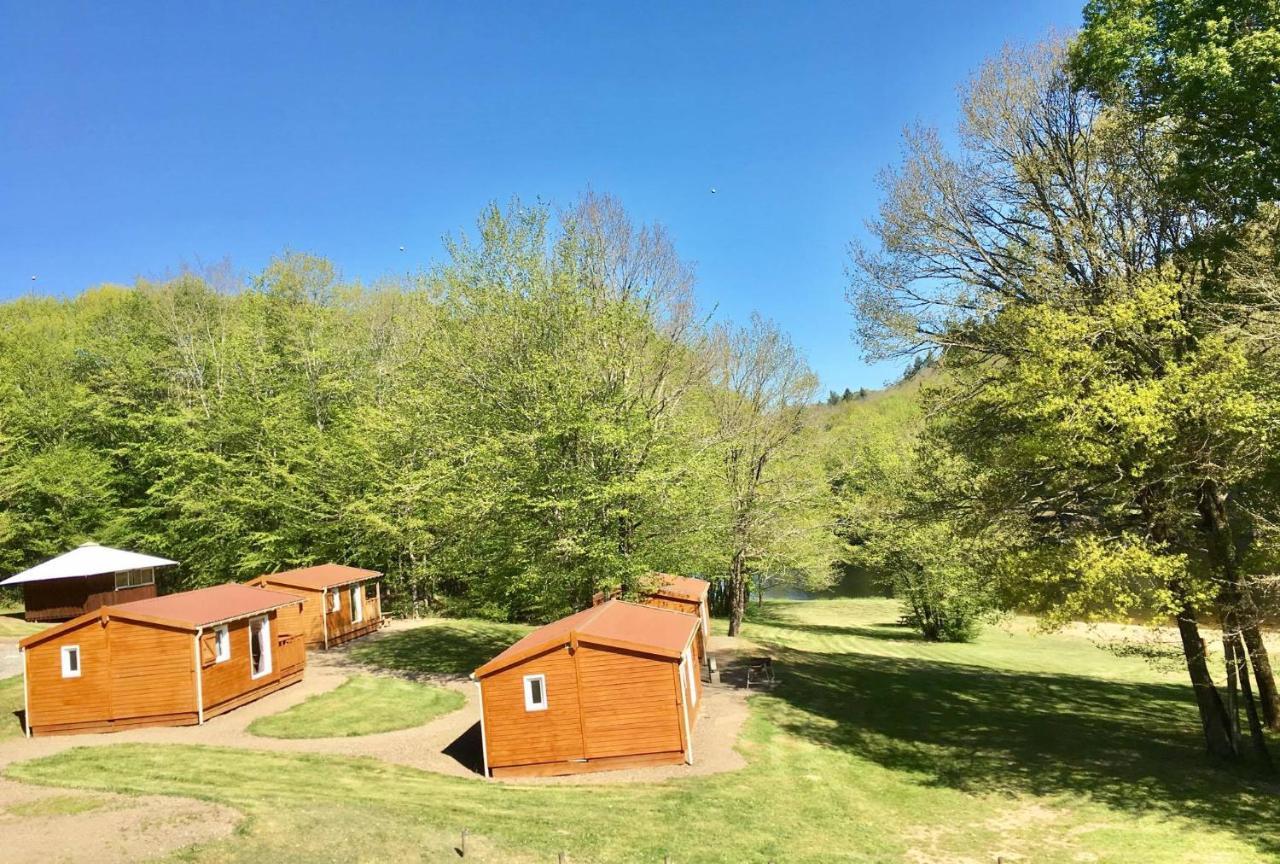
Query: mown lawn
[12, 623]
[874, 747]
[361, 705]
[10, 706]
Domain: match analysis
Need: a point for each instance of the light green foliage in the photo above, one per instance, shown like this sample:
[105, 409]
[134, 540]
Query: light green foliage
[505, 434]
[1209, 70]
[875, 746]
[889, 486]
[361, 705]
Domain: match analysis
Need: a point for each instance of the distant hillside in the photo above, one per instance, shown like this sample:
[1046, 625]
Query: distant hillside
[886, 420]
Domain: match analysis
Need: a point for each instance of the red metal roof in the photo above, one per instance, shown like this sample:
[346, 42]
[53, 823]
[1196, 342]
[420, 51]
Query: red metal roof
[206, 605]
[188, 609]
[682, 586]
[614, 622]
[321, 576]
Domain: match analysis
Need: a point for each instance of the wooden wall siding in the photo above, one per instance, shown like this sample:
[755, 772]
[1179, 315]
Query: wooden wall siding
[341, 628]
[151, 670]
[136, 674]
[687, 606]
[131, 674]
[629, 706]
[515, 736]
[314, 616]
[54, 700]
[63, 599]
[227, 681]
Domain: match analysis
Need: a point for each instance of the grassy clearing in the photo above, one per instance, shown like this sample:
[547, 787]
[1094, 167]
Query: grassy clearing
[361, 705]
[875, 747]
[60, 805]
[12, 625]
[10, 705]
[438, 647]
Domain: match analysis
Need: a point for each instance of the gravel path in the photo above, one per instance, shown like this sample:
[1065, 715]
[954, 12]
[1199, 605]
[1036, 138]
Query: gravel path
[10, 659]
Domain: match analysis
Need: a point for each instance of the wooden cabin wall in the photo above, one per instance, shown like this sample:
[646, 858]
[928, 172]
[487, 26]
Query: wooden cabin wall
[228, 681]
[128, 672]
[315, 614]
[54, 700]
[675, 604]
[64, 599]
[515, 736]
[340, 624]
[630, 705]
[151, 670]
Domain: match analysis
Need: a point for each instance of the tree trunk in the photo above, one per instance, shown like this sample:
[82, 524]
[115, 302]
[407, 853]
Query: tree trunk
[1261, 662]
[737, 595]
[1232, 703]
[1250, 709]
[1213, 716]
[1238, 598]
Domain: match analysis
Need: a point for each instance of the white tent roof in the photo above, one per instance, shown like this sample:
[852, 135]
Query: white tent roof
[87, 560]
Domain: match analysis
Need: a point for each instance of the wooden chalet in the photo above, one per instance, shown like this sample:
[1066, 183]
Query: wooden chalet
[612, 686]
[174, 660]
[84, 579]
[340, 603]
[688, 595]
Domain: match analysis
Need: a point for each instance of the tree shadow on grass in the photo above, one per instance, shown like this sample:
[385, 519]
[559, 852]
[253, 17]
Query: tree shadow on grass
[890, 631]
[1133, 747]
[443, 648]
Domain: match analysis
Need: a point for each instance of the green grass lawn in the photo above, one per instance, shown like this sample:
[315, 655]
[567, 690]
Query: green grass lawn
[361, 705]
[874, 747]
[10, 704]
[440, 646]
[13, 625]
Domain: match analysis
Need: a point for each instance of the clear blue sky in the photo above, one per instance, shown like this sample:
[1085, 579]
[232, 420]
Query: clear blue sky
[134, 139]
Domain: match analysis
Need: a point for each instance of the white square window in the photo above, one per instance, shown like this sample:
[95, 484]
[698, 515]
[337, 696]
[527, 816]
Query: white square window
[70, 661]
[535, 692]
[335, 601]
[221, 645]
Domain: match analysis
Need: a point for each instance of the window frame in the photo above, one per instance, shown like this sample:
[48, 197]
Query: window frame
[221, 640]
[335, 600]
[139, 578]
[70, 651]
[529, 704]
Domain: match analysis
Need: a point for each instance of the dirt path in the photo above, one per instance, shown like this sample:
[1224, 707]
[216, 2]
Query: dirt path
[41, 825]
[10, 659]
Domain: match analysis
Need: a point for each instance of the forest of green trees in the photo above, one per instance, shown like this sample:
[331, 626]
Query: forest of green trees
[545, 415]
[1083, 284]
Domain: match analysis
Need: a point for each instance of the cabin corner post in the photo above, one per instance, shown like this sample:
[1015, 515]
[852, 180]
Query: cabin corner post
[195, 645]
[26, 696]
[324, 615]
[684, 710]
[484, 741]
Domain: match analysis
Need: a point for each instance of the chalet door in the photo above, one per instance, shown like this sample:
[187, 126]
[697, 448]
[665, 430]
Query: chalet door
[260, 647]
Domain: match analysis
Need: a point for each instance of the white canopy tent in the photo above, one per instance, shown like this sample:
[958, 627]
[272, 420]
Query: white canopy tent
[87, 560]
